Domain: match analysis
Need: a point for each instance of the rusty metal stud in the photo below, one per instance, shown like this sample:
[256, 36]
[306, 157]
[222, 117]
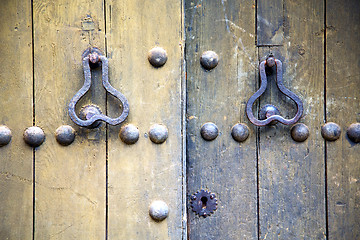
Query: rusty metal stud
[129, 134]
[65, 135]
[270, 61]
[157, 57]
[158, 133]
[267, 111]
[353, 132]
[209, 60]
[209, 131]
[330, 131]
[87, 111]
[240, 132]
[158, 210]
[299, 132]
[5, 135]
[34, 136]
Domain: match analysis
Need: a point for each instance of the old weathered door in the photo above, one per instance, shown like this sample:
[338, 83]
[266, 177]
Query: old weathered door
[143, 179]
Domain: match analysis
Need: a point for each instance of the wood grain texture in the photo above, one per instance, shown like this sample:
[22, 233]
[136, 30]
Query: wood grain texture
[70, 181]
[16, 158]
[291, 174]
[223, 166]
[270, 22]
[342, 107]
[141, 173]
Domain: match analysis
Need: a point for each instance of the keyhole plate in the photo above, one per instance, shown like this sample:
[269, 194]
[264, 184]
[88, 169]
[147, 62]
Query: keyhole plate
[203, 203]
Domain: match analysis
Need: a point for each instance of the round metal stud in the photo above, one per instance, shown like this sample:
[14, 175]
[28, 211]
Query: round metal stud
[159, 210]
[330, 131]
[267, 111]
[5, 135]
[129, 134]
[158, 133]
[270, 61]
[299, 132]
[157, 57]
[240, 132]
[353, 132]
[209, 60]
[87, 111]
[209, 131]
[65, 135]
[34, 136]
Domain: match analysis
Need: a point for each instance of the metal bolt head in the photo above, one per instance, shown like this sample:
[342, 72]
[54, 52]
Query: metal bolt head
[240, 132]
[299, 132]
[209, 60]
[65, 135]
[209, 131]
[270, 61]
[158, 133]
[87, 111]
[267, 111]
[34, 136]
[330, 131]
[157, 57]
[353, 132]
[129, 134]
[5, 135]
[159, 210]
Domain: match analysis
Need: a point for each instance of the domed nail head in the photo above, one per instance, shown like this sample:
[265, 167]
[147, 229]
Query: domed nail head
[158, 210]
[299, 132]
[353, 132]
[5, 135]
[330, 131]
[158, 133]
[65, 135]
[34, 136]
[129, 134]
[157, 57]
[240, 132]
[209, 60]
[209, 131]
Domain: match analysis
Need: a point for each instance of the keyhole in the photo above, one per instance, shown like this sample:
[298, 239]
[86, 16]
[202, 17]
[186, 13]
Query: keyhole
[204, 201]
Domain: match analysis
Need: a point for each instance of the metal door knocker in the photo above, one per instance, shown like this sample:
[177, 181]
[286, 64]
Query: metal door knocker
[270, 114]
[90, 114]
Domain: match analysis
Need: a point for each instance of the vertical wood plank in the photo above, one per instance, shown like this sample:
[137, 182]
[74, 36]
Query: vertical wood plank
[291, 174]
[342, 107]
[270, 22]
[70, 181]
[223, 166]
[143, 172]
[16, 81]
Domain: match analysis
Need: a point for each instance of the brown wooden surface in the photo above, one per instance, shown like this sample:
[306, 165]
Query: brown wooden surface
[70, 181]
[16, 158]
[268, 187]
[223, 166]
[144, 172]
[291, 174]
[270, 22]
[342, 107]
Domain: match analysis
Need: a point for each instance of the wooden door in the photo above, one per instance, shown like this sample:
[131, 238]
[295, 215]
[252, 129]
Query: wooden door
[98, 187]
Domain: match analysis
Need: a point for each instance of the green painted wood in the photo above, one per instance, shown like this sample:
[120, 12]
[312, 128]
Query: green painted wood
[70, 188]
[270, 22]
[291, 174]
[223, 166]
[16, 158]
[342, 107]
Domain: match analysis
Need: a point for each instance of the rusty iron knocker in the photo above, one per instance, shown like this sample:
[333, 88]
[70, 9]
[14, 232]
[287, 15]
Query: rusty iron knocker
[270, 113]
[93, 57]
